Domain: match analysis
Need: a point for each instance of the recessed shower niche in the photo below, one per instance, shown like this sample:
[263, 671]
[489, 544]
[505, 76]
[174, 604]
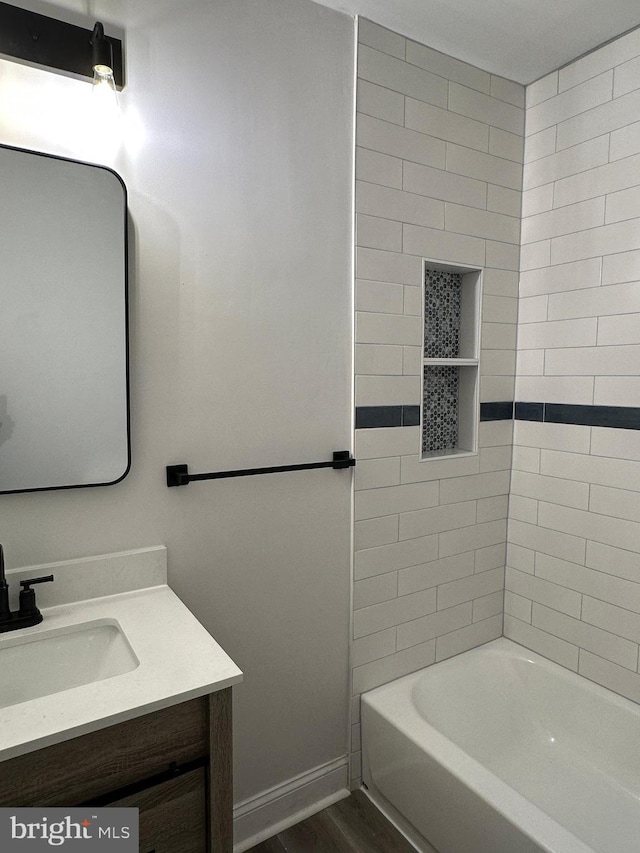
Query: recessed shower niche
[451, 360]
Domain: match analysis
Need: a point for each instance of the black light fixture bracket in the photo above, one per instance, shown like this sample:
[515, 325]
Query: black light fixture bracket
[40, 40]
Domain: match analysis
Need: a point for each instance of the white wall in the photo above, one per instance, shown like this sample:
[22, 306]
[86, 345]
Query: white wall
[573, 575]
[237, 159]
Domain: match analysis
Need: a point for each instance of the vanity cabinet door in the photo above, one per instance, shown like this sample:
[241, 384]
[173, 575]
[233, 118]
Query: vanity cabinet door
[173, 815]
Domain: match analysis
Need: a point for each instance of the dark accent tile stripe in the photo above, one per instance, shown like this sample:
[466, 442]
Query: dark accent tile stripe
[371, 417]
[496, 411]
[411, 416]
[529, 411]
[619, 417]
[616, 417]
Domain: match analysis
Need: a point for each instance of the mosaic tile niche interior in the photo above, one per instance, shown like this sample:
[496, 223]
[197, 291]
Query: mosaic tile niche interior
[442, 313]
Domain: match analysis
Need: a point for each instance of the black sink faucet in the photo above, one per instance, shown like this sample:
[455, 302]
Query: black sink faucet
[27, 614]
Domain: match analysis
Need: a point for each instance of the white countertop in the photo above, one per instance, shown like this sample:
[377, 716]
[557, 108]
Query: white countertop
[179, 660]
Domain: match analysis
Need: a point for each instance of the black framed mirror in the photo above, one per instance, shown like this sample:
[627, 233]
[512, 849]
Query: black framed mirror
[64, 348]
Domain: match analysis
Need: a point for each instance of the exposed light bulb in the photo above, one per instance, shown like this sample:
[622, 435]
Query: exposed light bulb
[103, 120]
[104, 85]
[104, 95]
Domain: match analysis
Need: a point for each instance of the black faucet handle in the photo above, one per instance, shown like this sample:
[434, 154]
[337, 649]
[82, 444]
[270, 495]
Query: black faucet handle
[26, 585]
[28, 596]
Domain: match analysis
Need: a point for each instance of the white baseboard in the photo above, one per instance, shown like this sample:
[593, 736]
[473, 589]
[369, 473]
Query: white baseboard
[282, 806]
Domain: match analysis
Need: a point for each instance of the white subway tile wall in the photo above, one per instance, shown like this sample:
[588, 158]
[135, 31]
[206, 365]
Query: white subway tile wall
[573, 558]
[439, 175]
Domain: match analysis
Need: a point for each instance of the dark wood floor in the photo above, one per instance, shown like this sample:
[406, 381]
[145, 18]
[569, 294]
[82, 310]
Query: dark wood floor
[352, 825]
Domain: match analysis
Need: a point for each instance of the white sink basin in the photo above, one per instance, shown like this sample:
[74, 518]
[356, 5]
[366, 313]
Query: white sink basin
[35, 665]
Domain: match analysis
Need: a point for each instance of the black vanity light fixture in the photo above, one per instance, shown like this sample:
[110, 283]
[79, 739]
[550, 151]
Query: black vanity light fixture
[39, 40]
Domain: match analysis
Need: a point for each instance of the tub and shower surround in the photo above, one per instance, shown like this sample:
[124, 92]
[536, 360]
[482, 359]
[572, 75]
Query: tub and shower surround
[438, 176]
[573, 565]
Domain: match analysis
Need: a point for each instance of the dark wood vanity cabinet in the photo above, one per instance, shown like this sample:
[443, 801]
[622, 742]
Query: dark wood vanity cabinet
[173, 765]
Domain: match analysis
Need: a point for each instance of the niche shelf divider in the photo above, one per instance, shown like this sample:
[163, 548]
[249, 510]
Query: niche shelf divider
[450, 410]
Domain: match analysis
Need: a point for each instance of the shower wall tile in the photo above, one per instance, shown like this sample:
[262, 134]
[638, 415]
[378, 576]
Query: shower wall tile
[573, 575]
[443, 185]
[564, 220]
[378, 360]
[439, 153]
[582, 98]
[609, 675]
[585, 636]
[442, 245]
[541, 90]
[480, 223]
[401, 76]
[543, 643]
[447, 125]
[488, 605]
[377, 473]
[537, 200]
[382, 168]
[468, 589]
[399, 205]
[616, 390]
[393, 267]
[436, 572]
[373, 646]
[447, 67]
[609, 178]
[506, 90]
[376, 531]
[377, 233]
[502, 256]
[505, 144]
[387, 390]
[528, 586]
[378, 672]
[486, 109]
[503, 200]
[437, 519]
[611, 116]
[609, 56]
[556, 165]
[620, 299]
[483, 167]
[495, 458]
[456, 642]
[387, 138]
[427, 627]
[541, 144]
[516, 606]
[401, 555]
[379, 102]
[615, 620]
[382, 39]
[376, 617]
[625, 142]
[375, 443]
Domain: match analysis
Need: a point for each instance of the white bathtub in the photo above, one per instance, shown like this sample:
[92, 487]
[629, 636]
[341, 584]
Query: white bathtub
[499, 750]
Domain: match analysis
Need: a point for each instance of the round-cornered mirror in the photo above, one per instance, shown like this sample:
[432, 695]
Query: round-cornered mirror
[64, 397]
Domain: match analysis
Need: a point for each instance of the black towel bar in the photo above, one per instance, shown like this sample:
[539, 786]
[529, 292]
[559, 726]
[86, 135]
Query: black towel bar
[178, 475]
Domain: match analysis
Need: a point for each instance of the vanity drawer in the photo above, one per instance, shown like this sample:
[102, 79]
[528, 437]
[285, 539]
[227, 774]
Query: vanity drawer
[173, 815]
[72, 772]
